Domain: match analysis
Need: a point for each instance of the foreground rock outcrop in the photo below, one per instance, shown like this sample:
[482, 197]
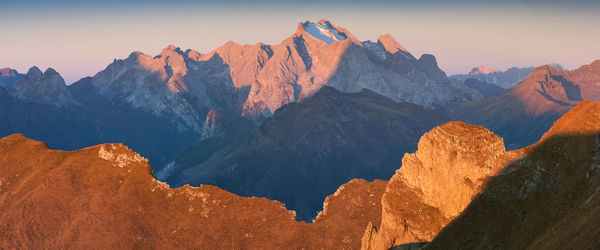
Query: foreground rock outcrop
[435, 184]
[546, 199]
[460, 190]
[105, 197]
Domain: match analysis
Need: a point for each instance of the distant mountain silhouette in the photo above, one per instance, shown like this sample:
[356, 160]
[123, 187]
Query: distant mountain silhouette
[523, 113]
[9, 77]
[159, 104]
[504, 79]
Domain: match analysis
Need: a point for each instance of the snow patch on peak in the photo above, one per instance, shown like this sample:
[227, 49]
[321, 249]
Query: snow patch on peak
[324, 31]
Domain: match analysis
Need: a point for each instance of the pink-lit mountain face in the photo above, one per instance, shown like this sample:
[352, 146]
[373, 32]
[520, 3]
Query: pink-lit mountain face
[8, 72]
[161, 104]
[9, 77]
[256, 80]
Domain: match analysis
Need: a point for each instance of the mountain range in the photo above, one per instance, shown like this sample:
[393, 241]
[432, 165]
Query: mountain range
[294, 123]
[174, 91]
[523, 113]
[306, 150]
[460, 189]
[167, 106]
[504, 79]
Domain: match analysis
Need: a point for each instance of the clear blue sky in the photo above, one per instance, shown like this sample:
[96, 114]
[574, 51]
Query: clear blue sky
[80, 38]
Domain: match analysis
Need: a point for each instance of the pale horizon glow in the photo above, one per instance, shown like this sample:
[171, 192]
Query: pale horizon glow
[80, 40]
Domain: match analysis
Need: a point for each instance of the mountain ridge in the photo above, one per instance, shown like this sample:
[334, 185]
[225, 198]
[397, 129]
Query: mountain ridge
[523, 113]
[307, 149]
[105, 195]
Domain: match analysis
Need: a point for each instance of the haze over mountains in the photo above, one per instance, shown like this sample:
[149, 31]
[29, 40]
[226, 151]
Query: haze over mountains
[105, 196]
[172, 93]
[504, 79]
[307, 149]
[523, 113]
[292, 122]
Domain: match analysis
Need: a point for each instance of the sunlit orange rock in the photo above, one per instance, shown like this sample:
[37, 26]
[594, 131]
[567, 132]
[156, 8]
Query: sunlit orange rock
[545, 199]
[105, 197]
[435, 184]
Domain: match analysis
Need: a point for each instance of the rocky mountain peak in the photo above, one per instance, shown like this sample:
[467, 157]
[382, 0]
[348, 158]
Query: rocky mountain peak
[577, 121]
[8, 72]
[172, 50]
[171, 47]
[44, 88]
[34, 72]
[9, 76]
[481, 70]
[556, 66]
[435, 183]
[325, 31]
[545, 198]
[390, 44]
[428, 64]
[50, 72]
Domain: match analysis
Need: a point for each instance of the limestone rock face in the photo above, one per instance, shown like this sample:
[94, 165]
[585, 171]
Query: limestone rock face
[258, 79]
[105, 197]
[43, 88]
[546, 198]
[435, 184]
[170, 85]
[212, 125]
[390, 44]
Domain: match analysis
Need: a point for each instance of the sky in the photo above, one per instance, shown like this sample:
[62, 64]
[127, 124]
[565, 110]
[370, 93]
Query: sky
[80, 38]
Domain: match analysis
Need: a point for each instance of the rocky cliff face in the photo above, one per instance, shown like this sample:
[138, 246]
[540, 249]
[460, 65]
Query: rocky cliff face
[104, 196]
[523, 113]
[170, 86]
[307, 149]
[546, 198]
[542, 196]
[67, 118]
[166, 98]
[42, 88]
[258, 79]
[435, 184]
[212, 126]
